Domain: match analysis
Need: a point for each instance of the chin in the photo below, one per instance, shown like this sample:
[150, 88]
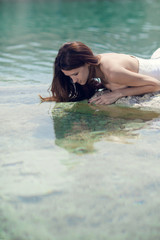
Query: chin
[83, 83]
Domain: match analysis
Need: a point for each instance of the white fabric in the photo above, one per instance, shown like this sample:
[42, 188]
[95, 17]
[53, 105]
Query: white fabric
[156, 54]
[150, 67]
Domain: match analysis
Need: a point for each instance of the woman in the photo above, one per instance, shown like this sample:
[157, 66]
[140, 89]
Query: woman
[77, 70]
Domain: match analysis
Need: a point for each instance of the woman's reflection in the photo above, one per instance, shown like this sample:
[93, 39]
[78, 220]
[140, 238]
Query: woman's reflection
[79, 125]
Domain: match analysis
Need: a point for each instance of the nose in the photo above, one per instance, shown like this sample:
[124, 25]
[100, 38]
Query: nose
[74, 79]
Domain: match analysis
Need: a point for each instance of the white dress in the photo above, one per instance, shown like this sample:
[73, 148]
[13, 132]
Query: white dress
[151, 66]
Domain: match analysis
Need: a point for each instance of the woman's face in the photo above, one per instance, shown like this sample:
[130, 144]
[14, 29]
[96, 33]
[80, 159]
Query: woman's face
[78, 75]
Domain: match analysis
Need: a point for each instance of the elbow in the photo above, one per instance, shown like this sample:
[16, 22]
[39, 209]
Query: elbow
[153, 88]
[156, 87]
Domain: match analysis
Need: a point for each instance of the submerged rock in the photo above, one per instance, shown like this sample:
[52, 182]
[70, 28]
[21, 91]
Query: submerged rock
[149, 101]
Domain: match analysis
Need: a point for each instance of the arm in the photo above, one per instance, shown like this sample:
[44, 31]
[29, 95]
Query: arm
[138, 84]
[122, 76]
[109, 98]
[134, 91]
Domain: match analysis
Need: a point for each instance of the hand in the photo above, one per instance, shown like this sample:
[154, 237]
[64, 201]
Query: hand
[106, 98]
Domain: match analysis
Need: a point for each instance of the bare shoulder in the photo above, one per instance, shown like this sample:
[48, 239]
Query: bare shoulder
[108, 60]
[112, 61]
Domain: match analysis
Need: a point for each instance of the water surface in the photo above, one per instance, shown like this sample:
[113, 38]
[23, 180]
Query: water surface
[73, 171]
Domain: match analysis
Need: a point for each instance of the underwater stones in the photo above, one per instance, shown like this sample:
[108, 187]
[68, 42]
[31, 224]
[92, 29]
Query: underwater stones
[146, 101]
[149, 100]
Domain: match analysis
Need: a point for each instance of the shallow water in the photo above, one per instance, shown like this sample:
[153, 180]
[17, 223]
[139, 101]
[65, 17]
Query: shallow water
[74, 171]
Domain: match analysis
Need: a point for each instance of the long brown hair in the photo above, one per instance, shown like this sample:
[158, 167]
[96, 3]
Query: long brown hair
[70, 56]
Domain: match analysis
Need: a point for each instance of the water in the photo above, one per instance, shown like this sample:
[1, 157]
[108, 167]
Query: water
[71, 171]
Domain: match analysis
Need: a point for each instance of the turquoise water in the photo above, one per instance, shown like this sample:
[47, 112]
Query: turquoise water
[73, 171]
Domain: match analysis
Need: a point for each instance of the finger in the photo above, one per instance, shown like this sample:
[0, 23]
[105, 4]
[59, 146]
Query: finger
[93, 99]
[99, 101]
[102, 101]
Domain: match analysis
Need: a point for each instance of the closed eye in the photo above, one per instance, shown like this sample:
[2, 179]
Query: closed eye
[74, 74]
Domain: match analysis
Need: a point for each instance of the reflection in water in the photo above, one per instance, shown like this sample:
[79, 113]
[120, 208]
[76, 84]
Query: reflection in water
[78, 125]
